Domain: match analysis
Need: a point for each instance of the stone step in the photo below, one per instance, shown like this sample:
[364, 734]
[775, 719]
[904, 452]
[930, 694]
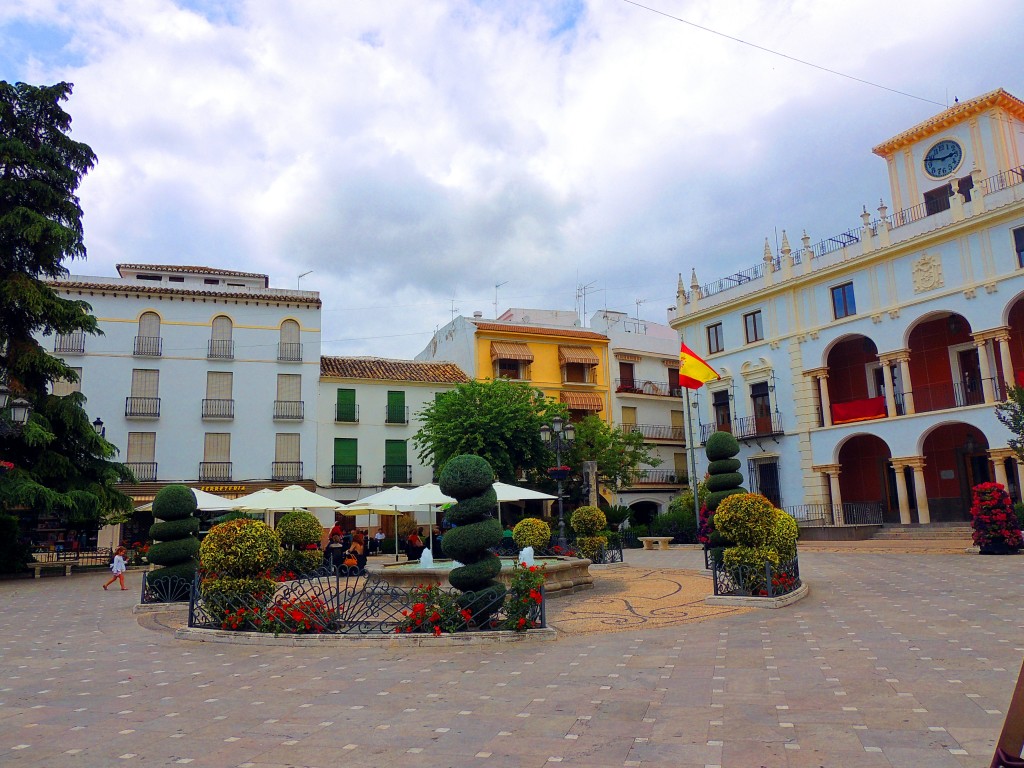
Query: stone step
[925, 532]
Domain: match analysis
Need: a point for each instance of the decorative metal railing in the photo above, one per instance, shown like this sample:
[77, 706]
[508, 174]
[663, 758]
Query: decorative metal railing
[289, 351]
[168, 589]
[218, 409]
[347, 413]
[707, 430]
[757, 426]
[289, 409]
[331, 602]
[398, 473]
[144, 471]
[142, 407]
[657, 477]
[83, 557]
[286, 470]
[215, 471]
[396, 414]
[830, 515]
[221, 349]
[70, 343]
[657, 431]
[751, 581]
[648, 387]
[148, 346]
[346, 474]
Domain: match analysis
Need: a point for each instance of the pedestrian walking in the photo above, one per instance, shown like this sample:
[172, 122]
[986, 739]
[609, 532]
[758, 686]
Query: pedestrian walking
[117, 568]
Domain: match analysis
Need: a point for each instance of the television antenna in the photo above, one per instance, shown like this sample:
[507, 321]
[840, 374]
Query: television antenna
[496, 287]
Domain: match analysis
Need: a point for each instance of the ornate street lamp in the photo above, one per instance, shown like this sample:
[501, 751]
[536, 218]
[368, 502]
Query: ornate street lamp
[98, 426]
[560, 435]
[19, 411]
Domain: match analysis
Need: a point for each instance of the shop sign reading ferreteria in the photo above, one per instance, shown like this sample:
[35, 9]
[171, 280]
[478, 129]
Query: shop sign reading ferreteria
[222, 488]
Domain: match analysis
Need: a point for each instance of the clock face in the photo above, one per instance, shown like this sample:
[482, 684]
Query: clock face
[943, 158]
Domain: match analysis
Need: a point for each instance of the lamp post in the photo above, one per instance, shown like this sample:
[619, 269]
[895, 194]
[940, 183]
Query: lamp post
[13, 413]
[98, 426]
[560, 435]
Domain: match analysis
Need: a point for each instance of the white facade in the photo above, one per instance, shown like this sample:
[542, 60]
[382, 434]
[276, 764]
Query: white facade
[166, 329]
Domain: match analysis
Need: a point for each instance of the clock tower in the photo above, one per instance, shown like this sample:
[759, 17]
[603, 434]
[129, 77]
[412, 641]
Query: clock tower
[954, 150]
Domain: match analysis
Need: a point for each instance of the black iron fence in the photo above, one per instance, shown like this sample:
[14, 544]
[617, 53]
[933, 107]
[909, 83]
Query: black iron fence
[167, 589]
[754, 581]
[827, 515]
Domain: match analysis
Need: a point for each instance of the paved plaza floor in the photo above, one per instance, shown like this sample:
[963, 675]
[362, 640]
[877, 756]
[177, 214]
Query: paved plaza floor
[893, 660]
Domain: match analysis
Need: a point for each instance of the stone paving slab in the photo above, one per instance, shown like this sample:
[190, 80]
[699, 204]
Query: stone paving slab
[893, 660]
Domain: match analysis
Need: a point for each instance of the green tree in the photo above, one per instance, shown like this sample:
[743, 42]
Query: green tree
[1011, 416]
[61, 465]
[498, 421]
[618, 453]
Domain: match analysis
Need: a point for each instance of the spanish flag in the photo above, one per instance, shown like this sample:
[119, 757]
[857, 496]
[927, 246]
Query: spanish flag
[694, 373]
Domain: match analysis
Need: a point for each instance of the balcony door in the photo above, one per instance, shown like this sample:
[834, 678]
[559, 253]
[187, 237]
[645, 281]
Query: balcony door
[760, 401]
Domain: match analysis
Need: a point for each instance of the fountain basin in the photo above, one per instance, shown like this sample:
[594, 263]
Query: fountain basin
[562, 575]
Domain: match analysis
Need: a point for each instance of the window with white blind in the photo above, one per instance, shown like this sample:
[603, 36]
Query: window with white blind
[149, 324]
[288, 404]
[141, 457]
[144, 401]
[289, 348]
[148, 343]
[287, 465]
[216, 464]
[63, 387]
[221, 344]
[219, 403]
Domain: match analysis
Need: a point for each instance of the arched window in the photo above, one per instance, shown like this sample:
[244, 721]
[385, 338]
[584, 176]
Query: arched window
[289, 348]
[222, 346]
[148, 342]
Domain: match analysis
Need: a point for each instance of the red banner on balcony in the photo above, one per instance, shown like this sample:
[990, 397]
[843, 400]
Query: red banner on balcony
[858, 410]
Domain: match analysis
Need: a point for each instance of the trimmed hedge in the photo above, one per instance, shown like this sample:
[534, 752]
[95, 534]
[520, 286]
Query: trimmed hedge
[725, 481]
[174, 502]
[473, 508]
[175, 529]
[531, 532]
[176, 543]
[723, 465]
[586, 521]
[720, 446]
[240, 548]
[180, 552]
[298, 528]
[464, 476]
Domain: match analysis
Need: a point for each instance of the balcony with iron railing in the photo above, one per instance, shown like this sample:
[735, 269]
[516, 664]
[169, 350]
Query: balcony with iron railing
[221, 349]
[658, 432]
[749, 427]
[286, 471]
[142, 407]
[830, 515]
[346, 474]
[657, 477]
[289, 410]
[218, 409]
[927, 398]
[647, 387]
[346, 414]
[144, 471]
[148, 346]
[289, 352]
[396, 414]
[398, 473]
[215, 471]
[707, 430]
[70, 343]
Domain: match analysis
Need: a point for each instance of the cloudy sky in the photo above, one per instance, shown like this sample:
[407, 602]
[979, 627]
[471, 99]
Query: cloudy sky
[416, 153]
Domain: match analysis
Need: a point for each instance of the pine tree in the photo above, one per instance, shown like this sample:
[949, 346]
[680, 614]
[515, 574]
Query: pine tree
[61, 465]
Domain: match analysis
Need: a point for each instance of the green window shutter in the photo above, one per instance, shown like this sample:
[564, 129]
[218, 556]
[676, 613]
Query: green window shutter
[396, 408]
[346, 405]
[396, 461]
[346, 460]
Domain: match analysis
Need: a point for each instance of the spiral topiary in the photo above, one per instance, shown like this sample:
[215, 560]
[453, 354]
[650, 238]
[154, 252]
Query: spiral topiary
[531, 532]
[723, 478]
[176, 539]
[300, 534]
[468, 480]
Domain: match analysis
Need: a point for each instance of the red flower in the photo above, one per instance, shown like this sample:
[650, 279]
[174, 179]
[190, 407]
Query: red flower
[437, 631]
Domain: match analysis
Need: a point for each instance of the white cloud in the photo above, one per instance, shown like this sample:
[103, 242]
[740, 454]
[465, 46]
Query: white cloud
[414, 152]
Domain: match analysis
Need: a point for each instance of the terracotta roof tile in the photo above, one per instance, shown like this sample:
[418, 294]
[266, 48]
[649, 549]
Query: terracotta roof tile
[955, 114]
[193, 270]
[534, 330]
[254, 295]
[377, 368]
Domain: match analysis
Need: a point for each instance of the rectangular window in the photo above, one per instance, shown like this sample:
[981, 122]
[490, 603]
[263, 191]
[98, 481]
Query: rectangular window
[678, 428]
[289, 387]
[346, 461]
[628, 418]
[217, 446]
[715, 342]
[515, 370]
[218, 385]
[397, 413]
[1018, 245]
[681, 468]
[141, 447]
[145, 383]
[627, 377]
[843, 303]
[346, 406]
[753, 327]
[723, 414]
[763, 476]
[396, 462]
[936, 200]
[576, 373]
[62, 387]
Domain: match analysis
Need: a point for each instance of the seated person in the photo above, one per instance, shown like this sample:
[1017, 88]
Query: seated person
[334, 552]
[358, 550]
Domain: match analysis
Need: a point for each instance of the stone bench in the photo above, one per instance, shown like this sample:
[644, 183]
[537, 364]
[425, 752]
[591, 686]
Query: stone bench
[38, 568]
[650, 541]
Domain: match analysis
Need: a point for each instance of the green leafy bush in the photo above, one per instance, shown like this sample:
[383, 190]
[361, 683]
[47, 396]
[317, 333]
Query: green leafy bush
[180, 552]
[300, 561]
[686, 497]
[591, 547]
[721, 445]
[616, 515]
[224, 595]
[747, 519]
[531, 532]
[14, 554]
[587, 521]
[299, 528]
[240, 548]
[174, 502]
[175, 529]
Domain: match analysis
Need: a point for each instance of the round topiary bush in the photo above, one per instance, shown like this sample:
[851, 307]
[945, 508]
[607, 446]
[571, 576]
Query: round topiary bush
[746, 518]
[759, 533]
[587, 521]
[722, 446]
[299, 529]
[240, 548]
[469, 478]
[176, 544]
[531, 532]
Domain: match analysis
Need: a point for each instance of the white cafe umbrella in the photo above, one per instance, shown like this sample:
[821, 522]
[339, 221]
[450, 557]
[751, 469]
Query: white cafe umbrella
[294, 497]
[204, 502]
[508, 492]
[384, 502]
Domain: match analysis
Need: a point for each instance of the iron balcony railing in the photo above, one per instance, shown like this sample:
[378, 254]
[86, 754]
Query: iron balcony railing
[657, 477]
[346, 474]
[658, 432]
[289, 409]
[957, 394]
[833, 515]
[148, 346]
[396, 414]
[142, 407]
[289, 351]
[398, 473]
[707, 430]
[221, 349]
[70, 343]
[347, 413]
[647, 387]
[218, 409]
[757, 426]
[286, 470]
[144, 471]
[215, 471]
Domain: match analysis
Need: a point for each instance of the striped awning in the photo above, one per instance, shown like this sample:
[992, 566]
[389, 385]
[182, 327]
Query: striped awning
[581, 355]
[582, 401]
[510, 350]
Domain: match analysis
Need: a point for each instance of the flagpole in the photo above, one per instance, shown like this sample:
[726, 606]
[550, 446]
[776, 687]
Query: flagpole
[691, 450]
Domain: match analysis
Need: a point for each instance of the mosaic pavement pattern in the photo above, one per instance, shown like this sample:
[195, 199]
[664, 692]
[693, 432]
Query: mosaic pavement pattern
[892, 661]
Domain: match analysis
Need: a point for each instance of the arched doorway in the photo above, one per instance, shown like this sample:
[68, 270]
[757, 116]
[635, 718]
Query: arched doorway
[945, 369]
[955, 460]
[644, 511]
[856, 388]
[867, 480]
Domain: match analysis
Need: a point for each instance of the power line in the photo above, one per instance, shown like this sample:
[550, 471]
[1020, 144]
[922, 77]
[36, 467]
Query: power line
[783, 55]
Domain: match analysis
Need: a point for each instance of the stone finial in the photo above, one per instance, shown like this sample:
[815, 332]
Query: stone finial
[681, 291]
[865, 216]
[694, 285]
[786, 250]
[882, 209]
[767, 258]
[806, 240]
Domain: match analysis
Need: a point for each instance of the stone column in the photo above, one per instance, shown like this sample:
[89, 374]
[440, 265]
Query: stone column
[831, 471]
[901, 491]
[981, 342]
[923, 515]
[1003, 345]
[999, 457]
[908, 388]
[890, 391]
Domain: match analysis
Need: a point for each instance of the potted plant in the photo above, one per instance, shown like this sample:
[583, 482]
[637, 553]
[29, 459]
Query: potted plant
[558, 473]
[996, 527]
